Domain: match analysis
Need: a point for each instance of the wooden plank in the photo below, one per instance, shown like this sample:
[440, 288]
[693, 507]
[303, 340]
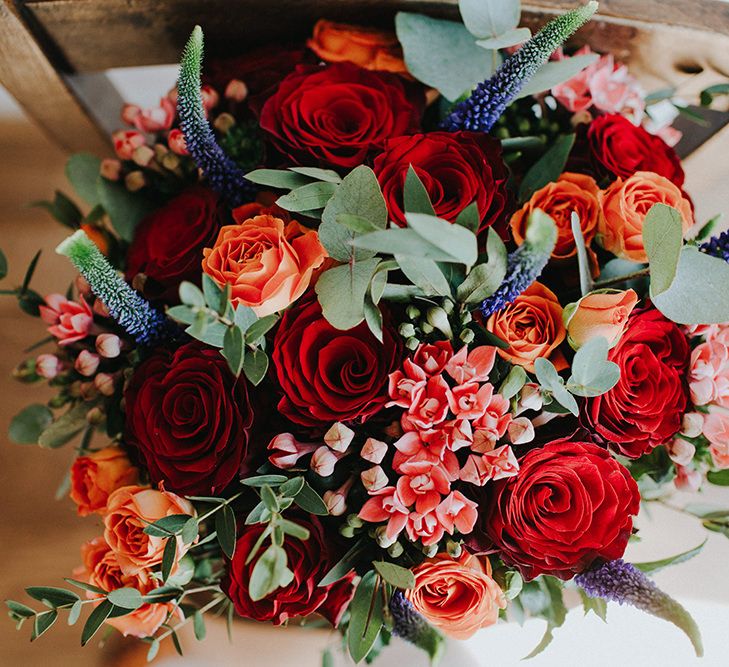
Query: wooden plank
[31, 79]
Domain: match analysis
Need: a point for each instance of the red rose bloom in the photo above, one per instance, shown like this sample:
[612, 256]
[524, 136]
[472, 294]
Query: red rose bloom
[189, 418]
[337, 114]
[329, 375]
[309, 560]
[622, 148]
[570, 504]
[456, 168]
[168, 244]
[645, 408]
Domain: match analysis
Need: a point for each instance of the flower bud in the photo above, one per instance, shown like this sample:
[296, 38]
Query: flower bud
[412, 312]
[681, 452]
[236, 90]
[430, 551]
[346, 531]
[530, 398]
[521, 431]
[324, 460]
[395, 550]
[108, 345]
[105, 383]
[412, 344]
[48, 366]
[88, 391]
[95, 416]
[438, 318]
[170, 161]
[374, 478]
[134, 181]
[210, 97]
[287, 450]
[693, 423]
[129, 112]
[336, 504]
[467, 336]
[110, 169]
[354, 521]
[339, 437]
[687, 479]
[87, 363]
[406, 330]
[373, 450]
[382, 539]
[223, 123]
[454, 549]
[143, 156]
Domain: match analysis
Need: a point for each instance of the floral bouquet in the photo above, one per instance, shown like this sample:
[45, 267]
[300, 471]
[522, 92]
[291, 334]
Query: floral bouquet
[390, 330]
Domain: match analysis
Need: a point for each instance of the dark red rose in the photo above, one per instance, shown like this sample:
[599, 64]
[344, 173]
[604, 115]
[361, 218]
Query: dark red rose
[622, 148]
[189, 418]
[456, 168]
[570, 504]
[645, 408]
[338, 114]
[328, 375]
[168, 244]
[309, 560]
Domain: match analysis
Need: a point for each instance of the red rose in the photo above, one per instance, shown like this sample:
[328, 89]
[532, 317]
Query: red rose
[329, 375]
[168, 244]
[645, 408]
[309, 560]
[622, 148]
[570, 504]
[189, 418]
[336, 115]
[456, 168]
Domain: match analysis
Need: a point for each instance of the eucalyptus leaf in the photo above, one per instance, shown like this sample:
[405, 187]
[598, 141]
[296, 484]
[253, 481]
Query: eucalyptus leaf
[550, 380]
[269, 573]
[65, 428]
[457, 241]
[484, 279]
[225, 527]
[341, 291]
[470, 218]
[96, 618]
[191, 295]
[327, 175]
[425, 274]
[513, 382]
[366, 617]
[395, 575]
[490, 18]
[43, 622]
[310, 501]
[127, 598]
[57, 597]
[592, 373]
[657, 565]
[27, 426]
[255, 366]
[509, 38]
[583, 263]
[308, 197]
[82, 171]
[415, 196]
[662, 240]
[234, 349]
[281, 179]
[125, 209]
[169, 556]
[373, 318]
[554, 72]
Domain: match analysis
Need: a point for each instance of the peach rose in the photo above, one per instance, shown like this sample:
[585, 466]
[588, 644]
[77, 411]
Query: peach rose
[268, 262]
[571, 192]
[625, 205]
[366, 47]
[532, 326]
[129, 511]
[96, 476]
[603, 313]
[101, 568]
[456, 596]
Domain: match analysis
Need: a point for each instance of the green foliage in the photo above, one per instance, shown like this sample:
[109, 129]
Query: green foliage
[366, 617]
[490, 18]
[126, 598]
[718, 477]
[484, 279]
[443, 54]
[63, 210]
[225, 527]
[342, 291]
[662, 240]
[82, 171]
[509, 38]
[27, 426]
[308, 198]
[551, 382]
[592, 373]
[657, 565]
[395, 575]
[65, 428]
[548, 168]
[554, 72]
[513, 382]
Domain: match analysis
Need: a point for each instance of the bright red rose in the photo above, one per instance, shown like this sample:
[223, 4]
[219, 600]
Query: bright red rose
[189, 418]
[338, 114]
[622, 148]
[645, 408]
[328, 375]
[456, 168]
[570, 504]
[309, 560]
[168, 244]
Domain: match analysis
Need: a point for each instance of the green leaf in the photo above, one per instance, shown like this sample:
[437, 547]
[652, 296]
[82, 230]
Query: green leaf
[82, 170]
[554, 72]
[56, 597]
[513, 584]
[490, 18]
[319, 174]
[548, 168]
[260, 328]
[307, 197]
[167, 525]
[484, 279]
[442, 54]
[183, 314]
[153, 650]
[292, 487]
[550, 380]
[75, 613]
[269, 573]
[263, 480]
[85, 586]
[698, 293]
[3, 265]
[718, 477]
[126, 598]
[415, 196]
[20, 609]
[126, 209]
[310, 501]
[513, 383]
[358, 195]
[341, 291]
[294, 529]
[356, 223]
[225, 527]
[425, 274]
[191, 295]
[458, 242]
[327, 659]
[234, 349]
[656, 565]
[397, 241]
[592, 373]
[189, 531]
[213, 333]
[470, 218]
[62, 209]
[545, 641]
[215, 297]
[96, 618]
[255, 366]
[29, 423]
[662, 240]
[395, 575]
[67, 426]
[281, 179]
[169, 555]
[30, 271]
[42, 623]
[344, 565]
[198, 624]
[583, 263]
[506, 39]
[597, 606]
[366, 617]
[269, 499]
[244, 318]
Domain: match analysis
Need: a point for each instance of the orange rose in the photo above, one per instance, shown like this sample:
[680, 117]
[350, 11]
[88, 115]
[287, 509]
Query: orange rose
[268, 262]
[532, 326]
[572, 192]
[603, 313]
[625, 205]
[129, 511]
[456, 596]
[366, 47]
[101, 568]
[96, 476]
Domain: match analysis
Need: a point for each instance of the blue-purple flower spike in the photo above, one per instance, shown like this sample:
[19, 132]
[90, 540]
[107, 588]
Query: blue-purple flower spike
[717, 246]
[621, 582]
[489, 100]
[409, 625]
[224, 175]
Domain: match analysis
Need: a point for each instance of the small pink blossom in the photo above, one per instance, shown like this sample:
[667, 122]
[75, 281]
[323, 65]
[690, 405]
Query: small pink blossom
[373, 450]
[287, 450]
[105, 383]
[491, 426]
[210, 97]
[48, 366]
[687, 479]
[176, 142]
[692, 424]
[108, 345]
[451, 435]
[470, 400]
[336, 501]
[339, 437]
[70, 321]
[497, 464]
[324, 460]
[155, 119]
[473, 366]
[521, 431]
[430, 402]
[709, 374]
[87, 363]
[680, 451]
[129, 112]
[236, 90]
[432, 358]
[385, 505]
[423, 486]
[530, 398]
[374, 478]
[457, 512]
[110, 169]
[425, 527]
[126, 141]
[415, 454]
[716, 430]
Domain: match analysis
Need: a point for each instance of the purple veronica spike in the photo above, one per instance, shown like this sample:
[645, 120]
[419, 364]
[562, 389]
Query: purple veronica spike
[718, 246]
[409, 625]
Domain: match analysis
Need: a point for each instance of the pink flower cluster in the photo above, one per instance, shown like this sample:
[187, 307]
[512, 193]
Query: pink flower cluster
[449, 405]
